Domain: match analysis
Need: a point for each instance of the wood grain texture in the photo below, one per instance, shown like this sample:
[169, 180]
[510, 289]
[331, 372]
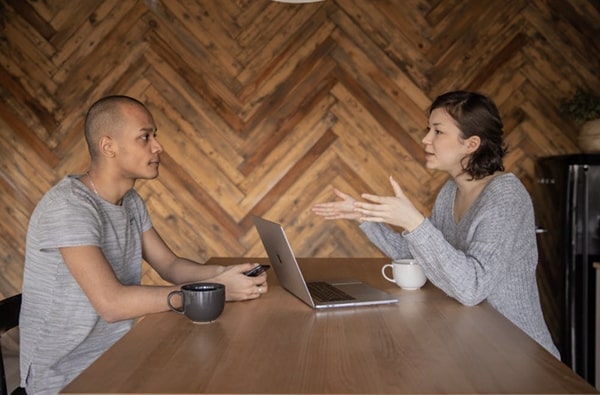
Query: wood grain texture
[263, 107]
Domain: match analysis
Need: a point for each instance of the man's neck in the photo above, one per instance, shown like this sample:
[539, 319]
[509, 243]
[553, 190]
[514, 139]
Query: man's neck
[107, 187]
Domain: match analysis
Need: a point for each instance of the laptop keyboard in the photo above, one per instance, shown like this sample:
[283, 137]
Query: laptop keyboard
[325, 292]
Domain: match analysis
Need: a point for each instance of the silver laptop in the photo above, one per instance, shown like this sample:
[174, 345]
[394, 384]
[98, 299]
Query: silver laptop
[317, 294]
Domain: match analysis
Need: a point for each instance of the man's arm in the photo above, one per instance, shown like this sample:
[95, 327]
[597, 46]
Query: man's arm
[112, 300]
[115, 302]
[169, 266]
[179, 270]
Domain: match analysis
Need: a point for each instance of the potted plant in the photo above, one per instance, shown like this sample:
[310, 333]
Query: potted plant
[584, 108]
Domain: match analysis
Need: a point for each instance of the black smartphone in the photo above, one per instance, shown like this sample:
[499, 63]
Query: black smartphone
[257, 270]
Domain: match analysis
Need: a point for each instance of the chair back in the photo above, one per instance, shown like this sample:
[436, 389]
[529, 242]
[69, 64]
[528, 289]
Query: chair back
[10, 309]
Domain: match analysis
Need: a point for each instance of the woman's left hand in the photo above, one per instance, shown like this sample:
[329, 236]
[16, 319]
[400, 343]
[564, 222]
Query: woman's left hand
[394, 210]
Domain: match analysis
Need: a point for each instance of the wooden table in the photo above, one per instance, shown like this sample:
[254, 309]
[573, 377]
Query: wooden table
[426, 343]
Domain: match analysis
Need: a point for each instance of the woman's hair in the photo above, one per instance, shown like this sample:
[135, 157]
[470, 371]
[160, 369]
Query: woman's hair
[476, 115]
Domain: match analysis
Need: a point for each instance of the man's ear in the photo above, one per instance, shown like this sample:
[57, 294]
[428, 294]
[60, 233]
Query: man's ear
[473, 143]
[106, 147]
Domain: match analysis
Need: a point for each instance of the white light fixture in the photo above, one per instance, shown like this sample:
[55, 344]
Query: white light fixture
[297, 1]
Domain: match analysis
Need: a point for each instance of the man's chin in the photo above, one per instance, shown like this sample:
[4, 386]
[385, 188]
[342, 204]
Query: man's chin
[151, 175]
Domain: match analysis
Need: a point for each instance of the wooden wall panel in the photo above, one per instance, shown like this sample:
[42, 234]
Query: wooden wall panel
[263, 107]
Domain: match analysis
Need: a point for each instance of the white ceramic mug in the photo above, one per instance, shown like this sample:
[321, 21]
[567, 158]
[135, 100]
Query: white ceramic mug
[407, 274]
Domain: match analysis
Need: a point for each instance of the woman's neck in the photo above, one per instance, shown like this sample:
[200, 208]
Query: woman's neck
[468, 190]
[468, 185]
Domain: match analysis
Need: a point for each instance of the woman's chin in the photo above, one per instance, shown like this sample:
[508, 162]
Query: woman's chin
[430, 164]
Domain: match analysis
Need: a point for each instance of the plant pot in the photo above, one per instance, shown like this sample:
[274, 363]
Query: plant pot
[589, 137]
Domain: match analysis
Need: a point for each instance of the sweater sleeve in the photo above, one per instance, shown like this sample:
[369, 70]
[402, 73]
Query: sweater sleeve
[390, 242]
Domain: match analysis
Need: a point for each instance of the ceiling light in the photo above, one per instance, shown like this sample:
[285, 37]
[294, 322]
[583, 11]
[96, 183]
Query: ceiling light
[297, 1]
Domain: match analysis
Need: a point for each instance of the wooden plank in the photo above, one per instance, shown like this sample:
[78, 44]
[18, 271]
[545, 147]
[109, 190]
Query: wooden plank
[407, 55]
[17, 118]
[385, 65]
[196, 22]
[167, 28]
[217, 90]
[299, 93]
[401, 102]
[292, 148]
[27, 59]
[382, 116]
[483, 41]
[260, 86]
[309, 30]
[85, 38]
[279, 190]
[576, 64]
[29, 12]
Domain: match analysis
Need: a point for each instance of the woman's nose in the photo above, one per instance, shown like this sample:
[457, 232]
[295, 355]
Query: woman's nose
[427, 138]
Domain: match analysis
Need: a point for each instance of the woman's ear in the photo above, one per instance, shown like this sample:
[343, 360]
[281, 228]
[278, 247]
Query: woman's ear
[473, 144]
[106, 147]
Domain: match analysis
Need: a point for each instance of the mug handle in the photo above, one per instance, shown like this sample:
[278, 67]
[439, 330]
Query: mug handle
[385, 275]
[171, 294]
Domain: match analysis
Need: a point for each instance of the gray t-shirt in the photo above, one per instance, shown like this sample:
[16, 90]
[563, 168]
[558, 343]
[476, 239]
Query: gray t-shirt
[61, 333]
[491, 254]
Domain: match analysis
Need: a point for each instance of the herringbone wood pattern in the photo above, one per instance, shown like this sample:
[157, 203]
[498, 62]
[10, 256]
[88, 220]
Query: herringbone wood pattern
[263, 107]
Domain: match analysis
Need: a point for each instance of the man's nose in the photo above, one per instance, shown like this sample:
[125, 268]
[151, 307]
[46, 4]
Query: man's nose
[156, 146]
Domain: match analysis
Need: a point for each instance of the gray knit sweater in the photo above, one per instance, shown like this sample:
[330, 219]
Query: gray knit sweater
[490, 255]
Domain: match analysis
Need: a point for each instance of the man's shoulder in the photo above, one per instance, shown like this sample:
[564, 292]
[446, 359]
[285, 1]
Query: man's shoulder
[68, 186]
[68, 193]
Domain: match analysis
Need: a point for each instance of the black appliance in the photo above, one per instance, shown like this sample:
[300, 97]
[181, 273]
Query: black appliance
[567, 206]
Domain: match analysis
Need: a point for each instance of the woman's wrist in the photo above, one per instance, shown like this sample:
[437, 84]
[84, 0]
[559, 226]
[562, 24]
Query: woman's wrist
[415, 223]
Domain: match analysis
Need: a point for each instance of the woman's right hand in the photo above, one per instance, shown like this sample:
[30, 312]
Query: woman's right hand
[341, 209]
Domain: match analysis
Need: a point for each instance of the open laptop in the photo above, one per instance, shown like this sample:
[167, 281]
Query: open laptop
[317, 294]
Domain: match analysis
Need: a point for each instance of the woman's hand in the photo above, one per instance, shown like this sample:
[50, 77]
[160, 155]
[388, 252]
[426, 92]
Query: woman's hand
[341, 209]
[238, 286]
[394, 210]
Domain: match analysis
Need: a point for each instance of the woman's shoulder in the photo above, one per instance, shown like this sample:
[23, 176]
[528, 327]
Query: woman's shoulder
[507, 186]
[506, 181]
[448, 186]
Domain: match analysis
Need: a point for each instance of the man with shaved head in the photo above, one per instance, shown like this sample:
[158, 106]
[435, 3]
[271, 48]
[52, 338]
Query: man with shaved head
[86, 241]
